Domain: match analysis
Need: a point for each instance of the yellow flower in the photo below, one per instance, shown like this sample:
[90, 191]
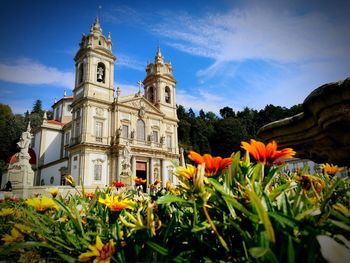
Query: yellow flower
[23, 229]
[115, 204]
[330, 169]
[342, 208]
[186, 172]
[6, 211]
[53, 191]
[172, 189]
[70, 180]
[42, 204]
[101, 252]
[14, 237]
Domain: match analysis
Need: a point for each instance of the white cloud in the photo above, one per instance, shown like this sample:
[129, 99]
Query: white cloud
[27, 71]
[127, 89]
[261, 53]
[257, 32]
[200, 99]
[124, 60]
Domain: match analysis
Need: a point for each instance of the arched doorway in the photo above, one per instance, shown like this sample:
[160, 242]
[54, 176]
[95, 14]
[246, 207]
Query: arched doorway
[141, 172]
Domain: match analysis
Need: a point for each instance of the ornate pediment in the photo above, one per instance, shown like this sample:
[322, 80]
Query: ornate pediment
[142, 105]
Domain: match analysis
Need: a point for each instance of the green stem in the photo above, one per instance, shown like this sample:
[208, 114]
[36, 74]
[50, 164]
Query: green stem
[222, 241]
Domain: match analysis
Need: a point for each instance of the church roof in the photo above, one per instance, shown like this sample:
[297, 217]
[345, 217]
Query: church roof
[13, 158]
[56, 122]
[62, 99]
[138, 101]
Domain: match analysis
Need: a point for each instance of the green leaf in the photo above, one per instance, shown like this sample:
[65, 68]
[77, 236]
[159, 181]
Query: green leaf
[262, 215]
[202, 226]
[283, 219]
[340, 224]
[218, 186]
[272, 173]
[161, 250]
[168, 199]
[291, 254]
[257, 252]
[309, 212]
[237, 205]
[257, 172]
[279, 190]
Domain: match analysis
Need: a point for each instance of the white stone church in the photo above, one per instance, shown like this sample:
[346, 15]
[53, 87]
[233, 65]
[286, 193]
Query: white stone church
[96, 131]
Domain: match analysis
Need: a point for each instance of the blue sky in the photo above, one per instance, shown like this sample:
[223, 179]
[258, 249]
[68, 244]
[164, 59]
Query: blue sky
[224, 53]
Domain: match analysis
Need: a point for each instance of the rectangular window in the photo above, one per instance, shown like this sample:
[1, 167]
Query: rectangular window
[168, 141]
[98, 130]
[155, 136]
[77, 128]
[98, 172]
[125, 131]
[57, 113]
[66, 140]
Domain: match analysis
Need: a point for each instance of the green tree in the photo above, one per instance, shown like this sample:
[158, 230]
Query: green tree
[248, 118]
[37, 107]
[227, 137]
[11, 127]
[184, 128]
[36, 115]
[227, 112]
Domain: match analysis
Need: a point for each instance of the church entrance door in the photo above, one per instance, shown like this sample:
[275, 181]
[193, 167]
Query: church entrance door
[141, 172]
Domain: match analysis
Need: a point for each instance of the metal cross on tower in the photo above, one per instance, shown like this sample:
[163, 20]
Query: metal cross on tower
[140, 84]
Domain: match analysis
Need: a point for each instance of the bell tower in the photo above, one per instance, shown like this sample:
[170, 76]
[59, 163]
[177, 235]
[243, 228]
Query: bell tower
[160, 85]
[94, 86]
[94, 63]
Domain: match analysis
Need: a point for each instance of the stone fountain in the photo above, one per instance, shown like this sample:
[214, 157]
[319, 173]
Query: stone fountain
[322, 131]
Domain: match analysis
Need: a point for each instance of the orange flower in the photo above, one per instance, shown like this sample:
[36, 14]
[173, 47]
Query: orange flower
[139, 180]
[266, 154]
[118, 184]
[89, 195]
[213, 165]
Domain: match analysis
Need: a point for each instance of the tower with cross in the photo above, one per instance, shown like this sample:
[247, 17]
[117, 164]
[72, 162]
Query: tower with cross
[106, 122]
[160, 85]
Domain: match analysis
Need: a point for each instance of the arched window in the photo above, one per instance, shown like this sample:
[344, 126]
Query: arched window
[151, 94]
[81, 73]
[167, 95]
[101, 72]
[140, 130]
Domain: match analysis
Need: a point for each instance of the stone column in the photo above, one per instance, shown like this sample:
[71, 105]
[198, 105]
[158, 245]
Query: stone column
[133, 165]
[112, 167]
[151, 175]
[163, 172]
[81, 175]
[118, 168]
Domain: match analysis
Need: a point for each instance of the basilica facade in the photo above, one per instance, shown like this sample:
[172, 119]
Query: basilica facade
[97, 135]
